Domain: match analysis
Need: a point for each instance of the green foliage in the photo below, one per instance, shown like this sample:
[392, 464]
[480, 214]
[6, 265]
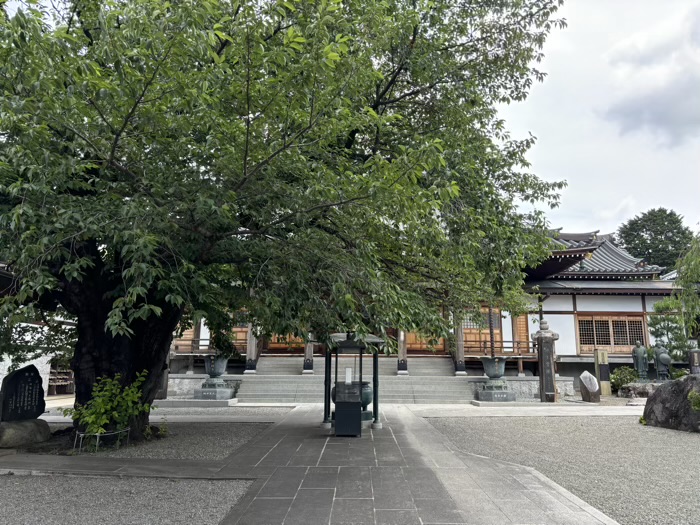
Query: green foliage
[677, 373]
[111, 407]
[322, 166]
[29, 333]
[694, 398]
[163, 429]
[687, 287]
[667, 328]
[658, 235]
[622, 376]
[223, 343]
[642, 420]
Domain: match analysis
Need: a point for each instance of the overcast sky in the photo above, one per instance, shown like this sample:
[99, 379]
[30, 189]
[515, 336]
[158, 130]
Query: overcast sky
[618, 116]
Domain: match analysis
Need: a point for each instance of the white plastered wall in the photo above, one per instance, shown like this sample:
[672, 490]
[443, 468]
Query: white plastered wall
[506, 326]
[652, 300]
[565, 326]
[558, 303]
[608, 303]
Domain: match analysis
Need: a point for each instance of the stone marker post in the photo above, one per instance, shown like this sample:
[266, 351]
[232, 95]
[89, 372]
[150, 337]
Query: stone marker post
[251, 351]
[402, 362]
[602, 371]
[694, 358]
[544, 339]
[460, 369]
[308, 357]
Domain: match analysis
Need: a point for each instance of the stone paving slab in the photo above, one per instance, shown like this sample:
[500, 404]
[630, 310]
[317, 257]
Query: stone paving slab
[404, 473]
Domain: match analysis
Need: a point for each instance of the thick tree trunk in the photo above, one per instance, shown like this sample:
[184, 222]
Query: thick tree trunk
[98, 354]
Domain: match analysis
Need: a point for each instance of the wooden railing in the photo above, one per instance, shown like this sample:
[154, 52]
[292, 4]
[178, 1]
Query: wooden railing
[192, 346]
[506, 348]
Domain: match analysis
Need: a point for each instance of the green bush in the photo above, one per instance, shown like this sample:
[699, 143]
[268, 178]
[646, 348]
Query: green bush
[694, 398]
[623, 375]
[111, 407]
[677, 373]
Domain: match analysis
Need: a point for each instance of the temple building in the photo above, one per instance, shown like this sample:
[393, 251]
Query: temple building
[594, 294]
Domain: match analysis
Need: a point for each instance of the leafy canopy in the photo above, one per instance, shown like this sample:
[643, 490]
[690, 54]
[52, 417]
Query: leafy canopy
[322, 164]
[687, 295]
[658, 235]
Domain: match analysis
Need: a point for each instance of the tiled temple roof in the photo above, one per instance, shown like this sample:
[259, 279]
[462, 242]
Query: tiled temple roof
[602, 287]
[604, 261]
[591, 256]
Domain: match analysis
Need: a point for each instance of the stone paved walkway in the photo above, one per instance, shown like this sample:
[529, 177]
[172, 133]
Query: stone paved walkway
[405, 473]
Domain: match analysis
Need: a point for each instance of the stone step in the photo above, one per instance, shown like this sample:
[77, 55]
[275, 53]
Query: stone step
[418, 366]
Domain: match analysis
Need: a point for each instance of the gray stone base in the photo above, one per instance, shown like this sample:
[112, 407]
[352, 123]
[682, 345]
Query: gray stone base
[19, 433]
[495, 395]
[213, 393]
[194, 403]
[495, 390]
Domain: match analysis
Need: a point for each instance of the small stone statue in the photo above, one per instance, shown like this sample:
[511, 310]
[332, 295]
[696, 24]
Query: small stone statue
[662, 362]
[640, 360]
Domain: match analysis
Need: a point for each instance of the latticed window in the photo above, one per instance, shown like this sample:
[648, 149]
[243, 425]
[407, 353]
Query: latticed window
[586, 333]
[614, 333]
[474, 323]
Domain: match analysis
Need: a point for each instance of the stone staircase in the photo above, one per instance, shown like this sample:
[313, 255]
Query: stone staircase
[431, 380]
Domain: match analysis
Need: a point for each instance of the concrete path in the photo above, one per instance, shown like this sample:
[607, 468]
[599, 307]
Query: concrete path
[405, 473]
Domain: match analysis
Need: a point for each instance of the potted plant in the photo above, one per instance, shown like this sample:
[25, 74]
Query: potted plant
[224, 349]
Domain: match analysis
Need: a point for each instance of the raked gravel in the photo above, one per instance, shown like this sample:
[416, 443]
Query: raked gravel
[637, 475]
[207, 441]
[57, 500]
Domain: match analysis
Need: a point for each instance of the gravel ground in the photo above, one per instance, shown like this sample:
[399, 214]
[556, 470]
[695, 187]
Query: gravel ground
[208, 441]
[635, 474]
[57, 500]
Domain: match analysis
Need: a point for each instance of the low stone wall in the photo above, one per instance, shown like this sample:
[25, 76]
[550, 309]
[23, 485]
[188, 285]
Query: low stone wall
[526, 388]
[183, 385]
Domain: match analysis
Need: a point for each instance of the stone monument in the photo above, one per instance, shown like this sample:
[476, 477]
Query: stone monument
[21, 403]
[602, 371]
[544, 339]
[694, 358]
[590, 390]
[640, 360]
[662, 362]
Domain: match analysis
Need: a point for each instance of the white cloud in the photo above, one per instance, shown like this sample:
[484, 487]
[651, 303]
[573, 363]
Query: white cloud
[657, 80]
[589, 68]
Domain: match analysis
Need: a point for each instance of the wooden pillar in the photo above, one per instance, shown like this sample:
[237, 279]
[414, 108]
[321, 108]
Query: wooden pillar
[458, 357]
[251, 360]
[402, 364]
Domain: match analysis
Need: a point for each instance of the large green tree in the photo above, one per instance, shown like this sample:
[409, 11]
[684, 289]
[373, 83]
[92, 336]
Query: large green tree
[321, 165]
[658, 235]
[687, 295]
